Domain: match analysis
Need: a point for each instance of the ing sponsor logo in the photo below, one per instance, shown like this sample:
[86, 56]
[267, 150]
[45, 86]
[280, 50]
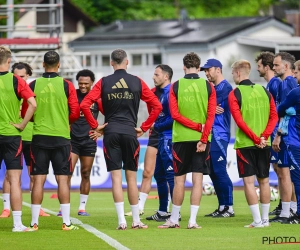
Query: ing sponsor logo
[121, 84]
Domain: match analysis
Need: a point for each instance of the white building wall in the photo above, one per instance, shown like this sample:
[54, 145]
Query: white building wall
[270, 31]
[176, 63]
[227, 53]
[29, 19]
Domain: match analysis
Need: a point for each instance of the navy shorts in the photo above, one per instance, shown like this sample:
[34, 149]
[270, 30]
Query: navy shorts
[253, 161]
[84, 146]
[187, 160]
[60, 158]
[11, 152]
[26, 151]
[121, 151]
[153, 139]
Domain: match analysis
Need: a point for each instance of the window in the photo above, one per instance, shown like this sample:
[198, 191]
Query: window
[157, 59]
[105, 60]
[88, 61]
[137, 59]
[42, 18]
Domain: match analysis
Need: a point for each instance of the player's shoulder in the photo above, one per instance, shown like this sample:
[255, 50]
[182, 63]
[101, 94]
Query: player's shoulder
[125, 76]
[275, 80]
[236, 91]
[290, 80]
[296, 90]
[226, 85]
[66, 80]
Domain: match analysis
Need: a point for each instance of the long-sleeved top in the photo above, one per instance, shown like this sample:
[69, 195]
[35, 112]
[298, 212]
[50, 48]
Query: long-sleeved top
[221, 126]
[211, 109]
[273, 85]
[81, 128]
[164, 122]
[74, 112]
[284, 87]
[235, 103]
[70, 93]
[292, 100]
[121, 94]
[20, 90]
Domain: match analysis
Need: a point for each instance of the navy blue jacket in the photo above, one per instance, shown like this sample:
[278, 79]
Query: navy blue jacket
[273, 85]
[221, 127]
[292, 100]
[164, 122]
[284, 88]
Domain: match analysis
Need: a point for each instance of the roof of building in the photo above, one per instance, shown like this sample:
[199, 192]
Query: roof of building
[171, 31]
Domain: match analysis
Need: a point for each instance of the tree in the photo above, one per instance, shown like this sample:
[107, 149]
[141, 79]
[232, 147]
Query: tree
[293, 4]
[106, 11]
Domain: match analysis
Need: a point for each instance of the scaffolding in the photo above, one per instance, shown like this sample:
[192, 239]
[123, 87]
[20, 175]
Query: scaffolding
[32, 50]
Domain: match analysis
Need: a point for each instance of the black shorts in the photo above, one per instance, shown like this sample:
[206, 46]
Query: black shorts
[253, 161]
[153, 139]
[84, 146]
[11, 152]
[60, 158]
[187, 160]
[26, 151]
[121, 149]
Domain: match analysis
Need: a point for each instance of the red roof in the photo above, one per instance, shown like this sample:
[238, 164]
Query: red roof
[28, 41]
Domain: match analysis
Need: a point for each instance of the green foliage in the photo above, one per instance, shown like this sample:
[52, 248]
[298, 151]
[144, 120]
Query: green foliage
[216, 8]
[3, 19]
[106, 11]
[292, 4]
[15, 1]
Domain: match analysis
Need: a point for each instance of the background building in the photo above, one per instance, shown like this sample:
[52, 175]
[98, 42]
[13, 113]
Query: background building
[149, 43]
[36, 26]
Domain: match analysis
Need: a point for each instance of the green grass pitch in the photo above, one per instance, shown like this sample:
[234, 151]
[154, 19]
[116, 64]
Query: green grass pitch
[216, 233]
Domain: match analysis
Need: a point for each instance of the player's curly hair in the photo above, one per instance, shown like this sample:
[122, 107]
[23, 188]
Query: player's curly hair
[86, 72]
[266, 58]
[191, 60]
[22, 65]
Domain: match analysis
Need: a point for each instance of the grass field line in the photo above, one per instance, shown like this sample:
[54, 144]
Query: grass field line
[110, 241]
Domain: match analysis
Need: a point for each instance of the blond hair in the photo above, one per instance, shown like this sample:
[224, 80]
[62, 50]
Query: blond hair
[5, 53]
[297, 65]
[243, 66]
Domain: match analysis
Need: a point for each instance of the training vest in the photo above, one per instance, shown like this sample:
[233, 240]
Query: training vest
[255, 110]
[51, 117]
[192, 102]
[9, 106]
[27, 132]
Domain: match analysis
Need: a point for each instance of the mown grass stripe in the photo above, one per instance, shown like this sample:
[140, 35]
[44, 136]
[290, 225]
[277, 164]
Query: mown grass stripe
[110, 241]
